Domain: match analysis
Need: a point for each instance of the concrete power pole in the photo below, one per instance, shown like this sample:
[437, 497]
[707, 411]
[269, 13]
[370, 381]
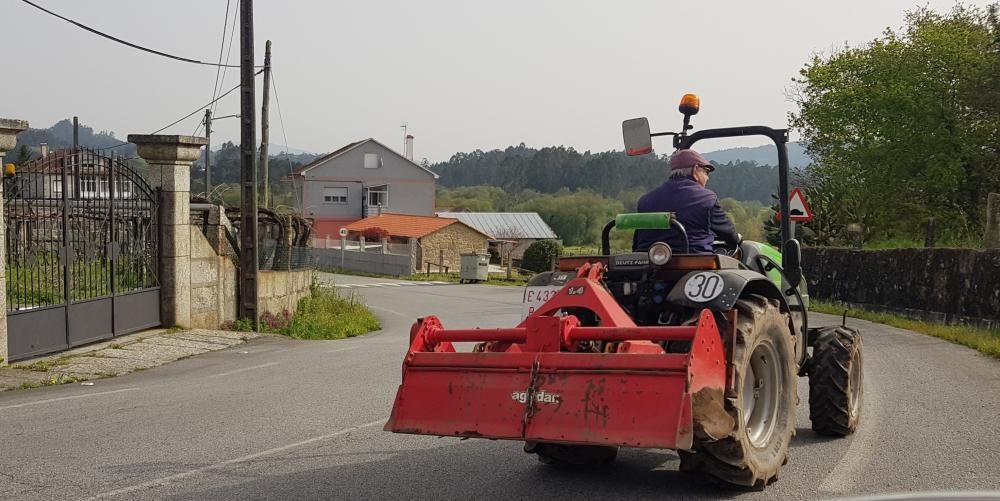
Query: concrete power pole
[208, 151]
[264, 128]
[249, 265]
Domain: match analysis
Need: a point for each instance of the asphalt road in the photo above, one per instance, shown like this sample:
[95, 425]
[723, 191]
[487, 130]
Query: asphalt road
[282, 419]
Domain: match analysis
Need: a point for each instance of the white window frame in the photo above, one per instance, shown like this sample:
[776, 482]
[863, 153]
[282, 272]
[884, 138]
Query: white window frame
[335, 199]
[123, 188]
[382, 190]
[88, 186]
[372, 161]
[57, 186]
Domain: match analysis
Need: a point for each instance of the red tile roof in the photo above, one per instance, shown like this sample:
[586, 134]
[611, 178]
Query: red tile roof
[403, 225]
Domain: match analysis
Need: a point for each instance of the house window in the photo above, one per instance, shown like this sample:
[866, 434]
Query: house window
[57, 187]
[88, 186]
[372, 161]
[104, 187]
[335, 195]
[123, 189]
[378, 196]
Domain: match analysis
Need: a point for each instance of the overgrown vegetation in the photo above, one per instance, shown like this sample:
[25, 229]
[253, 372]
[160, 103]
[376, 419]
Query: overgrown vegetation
[324, 315]
[906, 127]
[986, 341]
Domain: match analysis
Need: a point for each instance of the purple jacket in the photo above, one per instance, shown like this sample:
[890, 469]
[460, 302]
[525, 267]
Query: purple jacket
[696, 207]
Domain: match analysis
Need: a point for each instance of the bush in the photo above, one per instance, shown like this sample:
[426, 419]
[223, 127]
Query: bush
[538, 257]
[375, 234]
[326, 315]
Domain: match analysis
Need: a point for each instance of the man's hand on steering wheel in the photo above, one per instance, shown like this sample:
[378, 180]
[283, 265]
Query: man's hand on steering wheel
[728, 250]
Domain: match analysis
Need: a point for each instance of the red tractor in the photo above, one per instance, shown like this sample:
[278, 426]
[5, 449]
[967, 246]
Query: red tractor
[657, 349]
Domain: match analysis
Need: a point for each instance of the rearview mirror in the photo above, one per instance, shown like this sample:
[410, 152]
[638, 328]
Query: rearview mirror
[791, 260]
[637, 138]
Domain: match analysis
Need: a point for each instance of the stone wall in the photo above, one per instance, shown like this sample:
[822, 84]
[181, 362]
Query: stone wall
[454, 239]
[945, 285]
[213, 285]
[279, 291]
[214, 281]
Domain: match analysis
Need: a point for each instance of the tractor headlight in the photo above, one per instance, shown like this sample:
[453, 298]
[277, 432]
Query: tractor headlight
[659, 253]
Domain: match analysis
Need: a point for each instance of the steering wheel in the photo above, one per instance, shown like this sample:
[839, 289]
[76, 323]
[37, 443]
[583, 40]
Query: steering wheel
[724, 249]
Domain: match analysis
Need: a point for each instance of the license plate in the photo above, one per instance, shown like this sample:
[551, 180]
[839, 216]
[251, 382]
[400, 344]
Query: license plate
[535, 297]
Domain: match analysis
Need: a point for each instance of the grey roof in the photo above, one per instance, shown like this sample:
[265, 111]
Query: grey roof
[501, 225]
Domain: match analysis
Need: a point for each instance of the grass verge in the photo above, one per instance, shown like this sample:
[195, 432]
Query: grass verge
[324, 315]
[985, 341]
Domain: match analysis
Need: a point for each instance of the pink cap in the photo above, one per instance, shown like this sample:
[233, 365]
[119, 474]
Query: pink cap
[686, 159]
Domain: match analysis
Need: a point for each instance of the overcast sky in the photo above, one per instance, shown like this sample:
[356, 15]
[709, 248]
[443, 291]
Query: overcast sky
[465, 75]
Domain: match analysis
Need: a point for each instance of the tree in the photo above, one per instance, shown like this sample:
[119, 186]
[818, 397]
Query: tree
[907, 126]
[540, 255]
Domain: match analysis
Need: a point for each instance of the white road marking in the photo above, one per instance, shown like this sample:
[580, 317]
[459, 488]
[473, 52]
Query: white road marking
[237, 371]
[249, 457]
[387, 310]
[60, 399]
[386, 284]
[866, 439]
[342, 349]
[441, 283]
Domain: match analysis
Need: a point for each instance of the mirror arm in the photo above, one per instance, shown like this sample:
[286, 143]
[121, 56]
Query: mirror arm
[658, 134]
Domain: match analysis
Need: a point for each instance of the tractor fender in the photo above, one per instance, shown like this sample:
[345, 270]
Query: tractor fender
[718, 290]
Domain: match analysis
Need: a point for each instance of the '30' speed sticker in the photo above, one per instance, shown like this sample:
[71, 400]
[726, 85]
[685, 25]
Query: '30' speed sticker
[703, 287]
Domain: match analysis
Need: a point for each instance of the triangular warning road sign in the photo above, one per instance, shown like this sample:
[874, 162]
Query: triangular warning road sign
[797, 207]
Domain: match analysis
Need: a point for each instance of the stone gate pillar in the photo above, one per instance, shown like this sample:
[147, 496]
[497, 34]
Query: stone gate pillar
[8, 139]
[170, 159]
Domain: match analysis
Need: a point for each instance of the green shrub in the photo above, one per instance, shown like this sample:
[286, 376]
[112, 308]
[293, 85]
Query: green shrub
[326, 315]
[540, 255]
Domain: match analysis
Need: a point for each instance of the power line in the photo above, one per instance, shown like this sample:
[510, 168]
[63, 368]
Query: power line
[119, 40]
[218, 68]
[222, 46]
[281, 119]
[200, 108]
[229, 51]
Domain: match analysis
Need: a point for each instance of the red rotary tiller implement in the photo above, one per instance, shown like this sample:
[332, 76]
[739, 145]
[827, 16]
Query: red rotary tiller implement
[698, 353]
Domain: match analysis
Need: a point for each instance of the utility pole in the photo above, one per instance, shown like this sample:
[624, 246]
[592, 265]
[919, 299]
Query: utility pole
[248, 172]
[76, 158]
[208, 151]
[264, 126]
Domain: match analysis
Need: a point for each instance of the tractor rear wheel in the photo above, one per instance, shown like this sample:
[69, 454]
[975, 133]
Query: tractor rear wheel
[574, 456]
[764, 407]
[836, 381]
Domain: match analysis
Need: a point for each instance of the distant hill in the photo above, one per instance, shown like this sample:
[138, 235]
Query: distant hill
[60, 136]
[761, 155]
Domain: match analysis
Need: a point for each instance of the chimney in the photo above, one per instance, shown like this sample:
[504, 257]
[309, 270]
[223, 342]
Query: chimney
[44, 147]
[409, 147]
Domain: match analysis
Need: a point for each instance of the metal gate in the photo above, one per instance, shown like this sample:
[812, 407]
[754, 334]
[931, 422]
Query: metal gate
[82, 251]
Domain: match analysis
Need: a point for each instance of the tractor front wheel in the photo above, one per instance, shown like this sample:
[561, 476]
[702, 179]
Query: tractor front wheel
[763, 409]
[836, 381]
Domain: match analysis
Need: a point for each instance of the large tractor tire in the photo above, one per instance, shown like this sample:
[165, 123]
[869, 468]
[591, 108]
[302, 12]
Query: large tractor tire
[836, 381]
[572, 456]
[763, 410]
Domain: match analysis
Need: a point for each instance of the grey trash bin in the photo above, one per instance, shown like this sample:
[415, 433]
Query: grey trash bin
[475, 268]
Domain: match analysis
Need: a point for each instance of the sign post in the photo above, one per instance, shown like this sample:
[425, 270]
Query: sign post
[343, 245]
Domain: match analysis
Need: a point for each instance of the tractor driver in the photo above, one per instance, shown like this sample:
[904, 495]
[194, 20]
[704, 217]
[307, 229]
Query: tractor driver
[694, 205]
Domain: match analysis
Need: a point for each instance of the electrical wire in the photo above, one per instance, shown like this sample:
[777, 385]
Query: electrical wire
[277, 103]
[229, 51]
[200, 108]
[123, 42]
[218, 68]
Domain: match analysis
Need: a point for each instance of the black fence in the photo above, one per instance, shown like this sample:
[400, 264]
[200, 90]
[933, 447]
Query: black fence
[82, 249]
